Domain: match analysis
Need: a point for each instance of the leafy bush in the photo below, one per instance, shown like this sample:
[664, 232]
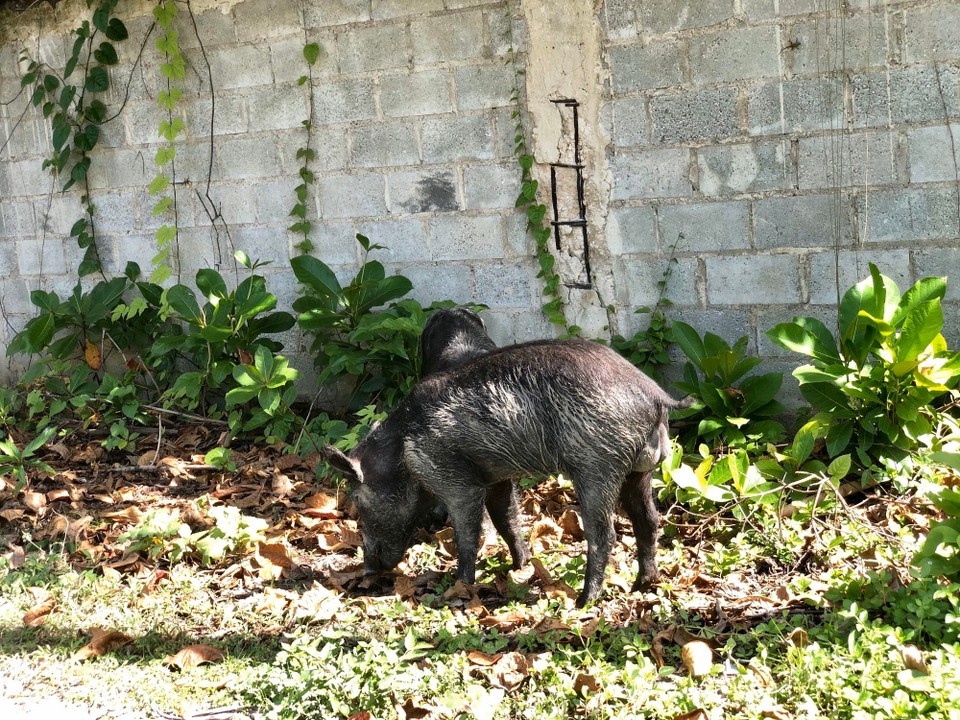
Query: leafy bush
[734, 410]
[378, 349]
[873, 390]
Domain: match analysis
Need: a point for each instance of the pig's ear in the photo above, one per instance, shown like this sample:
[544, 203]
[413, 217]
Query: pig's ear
[347, 466]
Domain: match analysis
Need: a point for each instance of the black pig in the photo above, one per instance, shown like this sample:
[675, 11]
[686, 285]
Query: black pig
[451, 338]
[540, 408]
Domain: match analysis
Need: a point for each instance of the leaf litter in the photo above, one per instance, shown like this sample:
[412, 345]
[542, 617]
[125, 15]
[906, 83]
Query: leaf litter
[305, 569]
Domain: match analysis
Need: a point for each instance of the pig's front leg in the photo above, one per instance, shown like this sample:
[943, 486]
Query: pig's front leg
[465, 507]
[504, 508]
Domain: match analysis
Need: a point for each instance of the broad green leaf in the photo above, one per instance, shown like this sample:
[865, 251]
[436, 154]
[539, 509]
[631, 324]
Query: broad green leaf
[839, 468]
[97, 80]
[184, 303]
[690, 342]
[826, 396]
[311, 52]
[211, 284]
[106, 54]
[920, 327]
[316, 275]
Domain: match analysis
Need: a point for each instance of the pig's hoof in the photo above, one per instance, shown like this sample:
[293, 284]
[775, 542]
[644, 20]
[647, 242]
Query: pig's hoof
[643, 583]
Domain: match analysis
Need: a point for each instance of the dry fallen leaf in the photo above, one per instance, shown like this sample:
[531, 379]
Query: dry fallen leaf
[102, 641]
[572, 524]
[193, 655]
[321, 505]
[318, 603]
[913, 659]
[11, 514]
[586, 683]
[697, 657]
[504, 670]
[403, 587]
[38, 613]
[798, 638]
[16, 557]
[545, 535]
[411, 711]
[34, 500]
[698, 714]
[775, 712]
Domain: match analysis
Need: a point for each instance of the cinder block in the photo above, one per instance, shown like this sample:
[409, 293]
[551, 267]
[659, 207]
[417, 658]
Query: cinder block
[24, 177]
[386, 9]
[244, 66]
[651, 174]
[632, 230]
[228, 110]
[289, 65]
[904, 96]
[504, 134]
[278, 108]
[421, 93]
[801, 221]
[38, 256]
[214, 26]
[504, 285]
[744, 168]
[138, 247]
[860, 40]
[376, 47]
[939, 262]
[329, 144]
[705, 227]
[335, 12]
[466, 237]
[237, 204]
[385, 145]
[753, 280]
[797, 105]
[261, 243]
[934, 153]
[734, 54]
[440, 281]
[641, 278]
[404, 240]
[701, 115]
[344, 196]
[346, 101]
[664, 17]
[143, 122]
[862, 159]
[115, 212]
[649, 66]
[256, 20]
[467, 137]
[15, 294]
[336, 243]
[273, 200]
[910, 214]
[619, 20]
[448, 37]
[487, 187]
[627, 119]
[247, 157]
[484, 86]
[932, 33]
[17, 217]
[823, 283]
[8, 264]
[766, 9]
[502, 32]
[433, 190]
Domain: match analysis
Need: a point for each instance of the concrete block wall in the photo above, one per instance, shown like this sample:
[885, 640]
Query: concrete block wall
[412, 129]
[781, 140]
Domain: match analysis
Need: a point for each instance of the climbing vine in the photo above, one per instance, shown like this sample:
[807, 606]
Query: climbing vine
[535, 211]
[303, 226]
[73, 110]
[163, 185]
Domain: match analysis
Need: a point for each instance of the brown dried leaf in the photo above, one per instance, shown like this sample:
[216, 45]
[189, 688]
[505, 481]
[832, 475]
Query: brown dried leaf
[698, 714]
[362, 715]
[130, 515]
[193, 655]
[775, 712]
[38, 613]
[321, 505]
[318, 603]
[411, 711]
[504, 670]
[34, 500]
[798, 638]
[572, 525]
[102, 642]
[461, 591]
[16, 557]
[545, 535]
[91, 354]
[282, 485]
[913, 659]
[277, 554]
[404, 587]
[12, 514]
[586, 683]
[448, 546]
[506, 622]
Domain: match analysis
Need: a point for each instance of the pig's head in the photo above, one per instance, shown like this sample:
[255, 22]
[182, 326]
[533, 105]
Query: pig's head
[390, 505]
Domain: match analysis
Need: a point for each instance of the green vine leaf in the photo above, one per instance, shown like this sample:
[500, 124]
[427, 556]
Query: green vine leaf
[106, 54]
[97, 80]
[311, 52]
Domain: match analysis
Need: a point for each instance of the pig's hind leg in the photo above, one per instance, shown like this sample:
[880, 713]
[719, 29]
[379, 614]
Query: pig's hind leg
[504, 508]
[598, 500]
[464, 499]
[636, 497]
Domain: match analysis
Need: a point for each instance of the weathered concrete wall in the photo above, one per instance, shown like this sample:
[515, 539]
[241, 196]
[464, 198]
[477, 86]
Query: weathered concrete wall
[779, 139]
